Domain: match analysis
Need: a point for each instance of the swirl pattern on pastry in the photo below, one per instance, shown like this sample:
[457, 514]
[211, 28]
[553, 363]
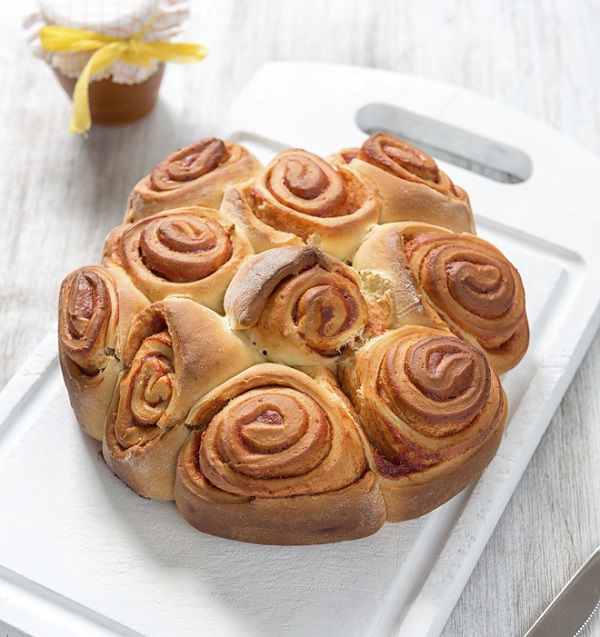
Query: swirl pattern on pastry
[262, 442]
[476, 290]
[146, 392]
[302, 194]
[173, 356]
[270, 434]
[188, 164]
[196, 175]
[408, 162]
[191, 251]
[299, 305]
[427, 394]
[411, 184]
[88, 318]
[429, 403]
[95, 310]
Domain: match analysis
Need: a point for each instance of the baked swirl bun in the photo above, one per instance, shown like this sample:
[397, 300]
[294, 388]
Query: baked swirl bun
[433, 411]
[411, 185]
[177, 350]
[96, 306]
[196, 175]
[474, 287]
[301, 195]
[187, 251]
[298, 306]
[277, 459]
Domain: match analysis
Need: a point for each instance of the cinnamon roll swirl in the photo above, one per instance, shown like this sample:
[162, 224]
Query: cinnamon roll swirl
[474, 287]
[300, 194]
[240, 206]
[433, 411]
[277, 459]
[298, 306]
[189, 251]
[411, 185]
[177, 351]
[196, 175]
[96, 306]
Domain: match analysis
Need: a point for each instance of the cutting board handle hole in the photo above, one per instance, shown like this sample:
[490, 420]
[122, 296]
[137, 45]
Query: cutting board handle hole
[488, 157]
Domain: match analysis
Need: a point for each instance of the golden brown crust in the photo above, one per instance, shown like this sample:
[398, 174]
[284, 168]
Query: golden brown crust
[301, 194]
[410, 495]
[350, 513]
[278, 459]
[427, 401]
[411, 185]
[177, 351]
[96, 306]
[299, 306]
[91, 396]
[196, 175]
[474, 287]
[191, 252]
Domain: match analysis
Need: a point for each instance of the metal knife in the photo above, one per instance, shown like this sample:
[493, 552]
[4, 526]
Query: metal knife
[574, 606]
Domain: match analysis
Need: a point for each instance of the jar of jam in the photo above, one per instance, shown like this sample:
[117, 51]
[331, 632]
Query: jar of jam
[124, 92]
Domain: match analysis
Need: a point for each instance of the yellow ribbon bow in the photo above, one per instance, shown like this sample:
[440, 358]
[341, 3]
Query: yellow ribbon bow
[108, 50]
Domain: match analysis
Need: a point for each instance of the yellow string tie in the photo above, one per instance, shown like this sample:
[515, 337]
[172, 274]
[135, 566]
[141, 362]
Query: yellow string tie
[108, 50]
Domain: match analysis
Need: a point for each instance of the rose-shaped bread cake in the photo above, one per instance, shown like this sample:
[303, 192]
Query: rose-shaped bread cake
[297, 353]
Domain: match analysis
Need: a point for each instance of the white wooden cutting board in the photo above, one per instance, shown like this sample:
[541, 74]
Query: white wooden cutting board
[81, 554]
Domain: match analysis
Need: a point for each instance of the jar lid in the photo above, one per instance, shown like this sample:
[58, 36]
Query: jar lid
[116, 18]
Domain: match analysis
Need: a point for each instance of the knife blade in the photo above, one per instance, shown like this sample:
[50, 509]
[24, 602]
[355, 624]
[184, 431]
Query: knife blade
[574, 606]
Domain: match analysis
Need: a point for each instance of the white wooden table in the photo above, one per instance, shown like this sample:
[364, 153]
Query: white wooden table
[61, 195]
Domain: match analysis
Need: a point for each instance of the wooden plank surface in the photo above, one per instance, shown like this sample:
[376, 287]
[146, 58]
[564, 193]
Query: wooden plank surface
[61, 195]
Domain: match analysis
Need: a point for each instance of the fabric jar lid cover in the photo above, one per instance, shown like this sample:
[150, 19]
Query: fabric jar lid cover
[116, 18]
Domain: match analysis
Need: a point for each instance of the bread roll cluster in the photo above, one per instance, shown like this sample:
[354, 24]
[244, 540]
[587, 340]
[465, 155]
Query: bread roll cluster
[294, 353]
